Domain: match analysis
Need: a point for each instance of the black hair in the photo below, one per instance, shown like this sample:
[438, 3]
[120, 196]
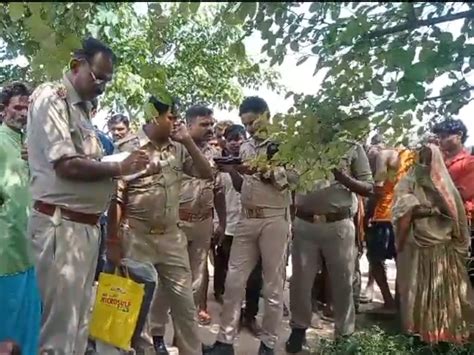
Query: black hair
[12, 90]
[253, 104]
[451, 126]
[92, 46]
[376, 139]
[234, 131]
[161, 107]
[119, 118]
[197, 111]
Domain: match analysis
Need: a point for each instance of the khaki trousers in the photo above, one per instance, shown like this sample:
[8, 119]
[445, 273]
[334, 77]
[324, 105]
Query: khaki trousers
[336, 243]
[199, 242]
[198, 235]
[66, 257]
[168, 252]
[255, 237]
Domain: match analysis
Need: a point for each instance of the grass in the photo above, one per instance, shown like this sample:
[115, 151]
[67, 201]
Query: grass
[375, 341]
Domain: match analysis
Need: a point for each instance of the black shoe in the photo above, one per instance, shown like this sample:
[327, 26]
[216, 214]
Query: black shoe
[159, 346]
[218, 348]
[90, 350]
[295, 342]
[265, 350]
[219, 298]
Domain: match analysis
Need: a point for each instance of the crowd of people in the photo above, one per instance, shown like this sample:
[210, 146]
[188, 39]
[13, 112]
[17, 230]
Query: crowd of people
[186, 190]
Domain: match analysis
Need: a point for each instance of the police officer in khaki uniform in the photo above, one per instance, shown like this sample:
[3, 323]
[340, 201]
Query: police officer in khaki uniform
[70, 189]
[147, 208]
[324, 224]
[197, 199]
[261, 232]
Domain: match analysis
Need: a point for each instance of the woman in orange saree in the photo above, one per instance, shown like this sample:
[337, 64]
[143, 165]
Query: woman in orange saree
[432, 241]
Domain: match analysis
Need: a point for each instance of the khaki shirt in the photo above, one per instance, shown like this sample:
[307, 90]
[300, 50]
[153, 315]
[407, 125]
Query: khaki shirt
[59, 127]
[257, 193]
[331, 196]
[151, 201]
[197, 195]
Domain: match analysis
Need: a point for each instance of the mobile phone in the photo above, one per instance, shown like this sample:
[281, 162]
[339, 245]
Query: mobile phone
[228, 161]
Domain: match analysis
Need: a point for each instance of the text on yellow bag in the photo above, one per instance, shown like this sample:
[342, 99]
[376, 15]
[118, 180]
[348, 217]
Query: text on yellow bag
[116, 310]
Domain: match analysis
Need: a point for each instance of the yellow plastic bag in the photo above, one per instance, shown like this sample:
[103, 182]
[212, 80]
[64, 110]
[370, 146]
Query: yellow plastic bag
[116, 310]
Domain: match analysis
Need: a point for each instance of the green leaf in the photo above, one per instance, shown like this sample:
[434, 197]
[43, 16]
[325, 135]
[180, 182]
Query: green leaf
[265, 26]
[183, 9]
[156, 8]
[246, 9]
[295, 46]
[71, 42]
[16, 10]
[383, 106]
[399, 57]
[194, 6]
[377, 87]
[405, 87]
[314, 6]
[335, 11]
[419, 92]
[446, 37]
[238, 49]
[417, 72]
[302, 59]
[38, 29]
[288, 94]
[426, 54]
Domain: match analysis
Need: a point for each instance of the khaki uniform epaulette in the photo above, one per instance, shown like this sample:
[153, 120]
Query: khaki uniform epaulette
[128, 143]
[55, 88]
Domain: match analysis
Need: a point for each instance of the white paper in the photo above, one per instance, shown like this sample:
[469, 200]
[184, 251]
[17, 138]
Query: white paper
[119, 157]
[116, 158]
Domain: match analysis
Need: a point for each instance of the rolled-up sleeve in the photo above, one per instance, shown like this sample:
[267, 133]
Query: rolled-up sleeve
[360, 166]
[120, 191]
[50, 119]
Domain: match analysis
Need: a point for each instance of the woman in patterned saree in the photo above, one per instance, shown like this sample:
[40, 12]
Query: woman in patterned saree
[432, 240]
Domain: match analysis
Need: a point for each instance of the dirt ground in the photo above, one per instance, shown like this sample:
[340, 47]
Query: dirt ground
[246, 344]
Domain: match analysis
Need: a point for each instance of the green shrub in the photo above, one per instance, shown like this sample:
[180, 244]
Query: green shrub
[374, 341]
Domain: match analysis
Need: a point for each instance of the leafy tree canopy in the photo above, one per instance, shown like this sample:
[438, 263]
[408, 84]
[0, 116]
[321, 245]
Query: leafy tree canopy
[173, 48]
[385, 65]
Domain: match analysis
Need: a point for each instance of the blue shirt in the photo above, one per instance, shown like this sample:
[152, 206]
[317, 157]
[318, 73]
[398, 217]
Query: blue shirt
[106, 143]
[109, 150]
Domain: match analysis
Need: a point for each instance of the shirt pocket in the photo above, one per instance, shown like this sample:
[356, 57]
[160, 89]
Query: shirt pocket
[90, 144]
[147, 197]
[197, 195]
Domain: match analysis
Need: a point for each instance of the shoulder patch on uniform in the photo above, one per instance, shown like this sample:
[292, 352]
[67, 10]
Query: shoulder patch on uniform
[49, 89]
[61, 91]
[126, 141]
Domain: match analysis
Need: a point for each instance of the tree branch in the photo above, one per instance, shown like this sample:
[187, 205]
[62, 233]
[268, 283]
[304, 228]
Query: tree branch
[451, 93]
[420, 23]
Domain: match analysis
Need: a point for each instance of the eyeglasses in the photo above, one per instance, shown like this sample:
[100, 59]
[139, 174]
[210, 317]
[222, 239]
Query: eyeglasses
[97, 81]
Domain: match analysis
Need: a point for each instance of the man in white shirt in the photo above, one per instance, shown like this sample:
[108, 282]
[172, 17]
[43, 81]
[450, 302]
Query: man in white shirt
[234, 136]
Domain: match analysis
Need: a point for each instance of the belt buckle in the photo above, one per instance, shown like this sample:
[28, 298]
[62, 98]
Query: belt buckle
[254, 212]
[158, 229]
[318, 218]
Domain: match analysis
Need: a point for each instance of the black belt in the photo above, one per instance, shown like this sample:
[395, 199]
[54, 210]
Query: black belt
[325, 218]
